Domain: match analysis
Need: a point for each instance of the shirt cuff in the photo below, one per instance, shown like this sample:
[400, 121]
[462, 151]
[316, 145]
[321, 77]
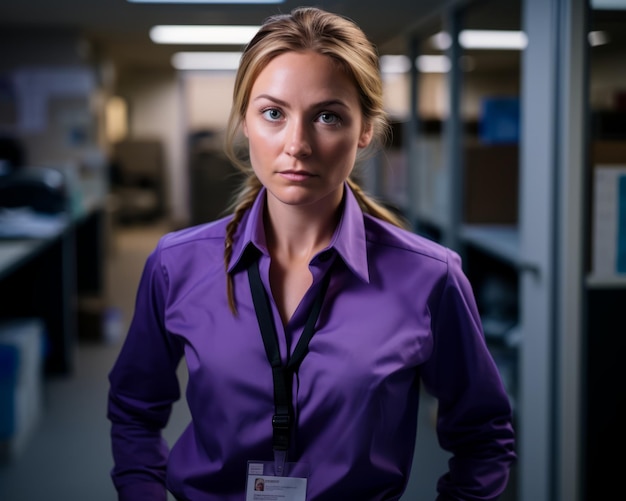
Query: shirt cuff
[143, 491]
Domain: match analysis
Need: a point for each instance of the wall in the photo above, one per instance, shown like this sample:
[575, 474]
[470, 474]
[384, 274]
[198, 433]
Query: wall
[47, 86]
[32, 47]
[207, 99]
[155, 111]
[168, 106]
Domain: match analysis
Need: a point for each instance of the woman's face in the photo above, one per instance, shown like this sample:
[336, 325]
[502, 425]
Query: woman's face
[304, 125]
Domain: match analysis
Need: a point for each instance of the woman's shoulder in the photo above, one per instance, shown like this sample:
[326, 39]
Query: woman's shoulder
[199, 247]
[201, 233]
[382, 233]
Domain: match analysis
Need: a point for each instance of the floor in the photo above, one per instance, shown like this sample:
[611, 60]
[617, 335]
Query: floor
[68, 457]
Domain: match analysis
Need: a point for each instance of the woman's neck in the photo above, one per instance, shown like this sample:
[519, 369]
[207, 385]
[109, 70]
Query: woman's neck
[296, 234]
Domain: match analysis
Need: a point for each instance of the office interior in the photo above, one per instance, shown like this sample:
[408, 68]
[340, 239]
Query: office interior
[515, 158]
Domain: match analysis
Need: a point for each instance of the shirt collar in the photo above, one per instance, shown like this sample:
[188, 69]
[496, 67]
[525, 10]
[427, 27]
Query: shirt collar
[348, 241]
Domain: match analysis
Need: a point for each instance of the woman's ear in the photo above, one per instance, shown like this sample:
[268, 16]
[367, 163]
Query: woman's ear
[366, 135]
[244, 127]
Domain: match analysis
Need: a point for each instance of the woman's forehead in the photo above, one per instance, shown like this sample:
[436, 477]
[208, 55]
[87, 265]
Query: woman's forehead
[304, 72]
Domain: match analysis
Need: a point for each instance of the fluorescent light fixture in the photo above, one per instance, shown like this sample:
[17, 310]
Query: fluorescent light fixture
[209, 1]
[483, 39]
[203, 61]
[433, 64]
[198, 34]
[493, 39]
[499, 40]
[392, 64]
[441, 41]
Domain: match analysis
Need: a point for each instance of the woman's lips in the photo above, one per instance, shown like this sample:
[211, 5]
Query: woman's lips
[296, 175]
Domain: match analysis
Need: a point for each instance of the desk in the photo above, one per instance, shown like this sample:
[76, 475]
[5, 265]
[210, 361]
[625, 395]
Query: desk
[14, 253]
[43, 277]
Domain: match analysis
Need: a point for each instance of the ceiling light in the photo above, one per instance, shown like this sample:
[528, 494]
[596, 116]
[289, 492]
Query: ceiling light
[197, 34]
[433, 64]
[441, 41]
[390, 64]
[209, 1]
[203, 61]
[482, 39]
[499, 40]
[493, 39]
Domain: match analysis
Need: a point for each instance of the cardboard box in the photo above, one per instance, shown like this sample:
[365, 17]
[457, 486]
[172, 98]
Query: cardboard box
[491, 184]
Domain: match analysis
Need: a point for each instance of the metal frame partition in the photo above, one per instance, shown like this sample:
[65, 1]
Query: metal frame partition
[552, 170]
[550, 258]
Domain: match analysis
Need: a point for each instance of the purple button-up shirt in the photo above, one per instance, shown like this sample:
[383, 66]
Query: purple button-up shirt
[398, 312]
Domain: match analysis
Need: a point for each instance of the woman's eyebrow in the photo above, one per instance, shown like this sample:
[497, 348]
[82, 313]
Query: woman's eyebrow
[270, 98]
[331, 102]
[321, 104]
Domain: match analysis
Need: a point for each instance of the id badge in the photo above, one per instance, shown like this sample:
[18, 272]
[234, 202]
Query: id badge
[264, 485]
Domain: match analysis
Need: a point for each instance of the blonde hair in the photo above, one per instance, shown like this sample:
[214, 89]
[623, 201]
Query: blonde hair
[305, 29]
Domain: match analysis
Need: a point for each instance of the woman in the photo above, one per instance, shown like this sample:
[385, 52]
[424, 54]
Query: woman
[309, 318]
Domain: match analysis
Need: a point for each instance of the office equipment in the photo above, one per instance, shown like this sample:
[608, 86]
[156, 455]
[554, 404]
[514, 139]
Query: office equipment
[213, 178]
[42, 276]
[138, 179]
[12, 155]
[21, 382]
[42, 189]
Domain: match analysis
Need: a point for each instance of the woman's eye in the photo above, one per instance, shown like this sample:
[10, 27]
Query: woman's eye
[329, 118]
[272, 114]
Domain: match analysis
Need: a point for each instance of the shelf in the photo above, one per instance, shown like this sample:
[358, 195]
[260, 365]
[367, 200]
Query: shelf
[501, 241]
[599, 282]
[15, 252]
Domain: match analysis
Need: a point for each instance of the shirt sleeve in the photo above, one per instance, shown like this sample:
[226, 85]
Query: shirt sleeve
[474, 419]
[143, 387]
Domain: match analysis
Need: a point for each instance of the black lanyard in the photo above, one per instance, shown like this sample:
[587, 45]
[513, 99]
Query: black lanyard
[282, 420]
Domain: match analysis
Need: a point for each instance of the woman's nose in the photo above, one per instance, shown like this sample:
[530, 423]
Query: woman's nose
[298, 142]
